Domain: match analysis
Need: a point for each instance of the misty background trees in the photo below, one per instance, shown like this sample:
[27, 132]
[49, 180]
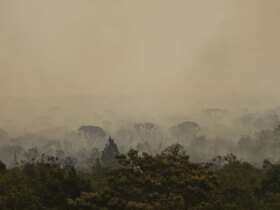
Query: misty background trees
[252, 137]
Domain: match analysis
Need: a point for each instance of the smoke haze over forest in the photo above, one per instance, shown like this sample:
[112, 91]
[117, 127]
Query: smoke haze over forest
[77, 60]
[139, 104]
[119, 63]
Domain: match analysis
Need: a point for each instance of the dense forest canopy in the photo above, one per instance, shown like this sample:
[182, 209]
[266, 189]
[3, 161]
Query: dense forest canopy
[140, 181]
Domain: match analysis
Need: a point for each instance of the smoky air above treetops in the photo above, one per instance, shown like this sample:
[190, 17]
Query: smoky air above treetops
[140, 55]
[118, 64]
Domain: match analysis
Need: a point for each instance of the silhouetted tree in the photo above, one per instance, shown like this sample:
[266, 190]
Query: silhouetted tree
[110, 153]
[2, 166]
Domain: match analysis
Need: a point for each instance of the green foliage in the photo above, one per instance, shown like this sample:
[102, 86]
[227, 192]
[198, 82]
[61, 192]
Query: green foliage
[139, 181]
[39, 186]
[163, 181]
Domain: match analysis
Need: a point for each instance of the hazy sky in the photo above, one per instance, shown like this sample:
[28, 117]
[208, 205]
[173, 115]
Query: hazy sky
[158, 54]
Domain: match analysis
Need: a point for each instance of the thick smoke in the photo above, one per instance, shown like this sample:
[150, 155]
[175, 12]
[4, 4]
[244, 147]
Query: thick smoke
[140, 71]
